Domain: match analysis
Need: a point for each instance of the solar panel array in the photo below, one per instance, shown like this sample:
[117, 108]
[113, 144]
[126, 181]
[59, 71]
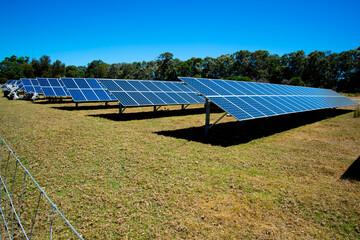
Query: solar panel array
[248, 100]
[31, 85]
[20, 85]
[8, 82]
[86, 90]
[52, 87]
[150, 93]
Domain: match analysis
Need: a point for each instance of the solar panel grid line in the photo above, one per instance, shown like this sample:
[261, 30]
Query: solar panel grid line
[269, 88]
[86, 90]
[163, 86]
[267, 99]
[134, 95]
[216, 82]
[51, 87]
[310, 101]
[274, 107]
[150, 93]
[86, 86]
[275, 113]
[220, 99]
[258, 88]
[31, 85]
[172, 99]
[293, 103]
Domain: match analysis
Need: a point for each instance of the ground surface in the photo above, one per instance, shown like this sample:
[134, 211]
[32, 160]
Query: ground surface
[154, 175]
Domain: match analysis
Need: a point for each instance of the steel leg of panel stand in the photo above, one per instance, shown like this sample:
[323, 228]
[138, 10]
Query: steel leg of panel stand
[207, 117]
[121, 109]
[156, 108]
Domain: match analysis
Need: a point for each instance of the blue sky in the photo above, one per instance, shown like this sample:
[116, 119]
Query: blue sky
[77, 32]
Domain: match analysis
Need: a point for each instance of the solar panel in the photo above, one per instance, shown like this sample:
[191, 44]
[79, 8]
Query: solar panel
[248, 100]
[86, 90]
[52, 87]
[31, 85]
[150, 93]
[19, 84]
[8, 82]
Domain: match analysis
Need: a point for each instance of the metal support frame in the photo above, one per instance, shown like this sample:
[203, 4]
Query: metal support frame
[121, 109]
[183, 106]
[207, 117]
[76, 104]
[156, 108]
[106, 103]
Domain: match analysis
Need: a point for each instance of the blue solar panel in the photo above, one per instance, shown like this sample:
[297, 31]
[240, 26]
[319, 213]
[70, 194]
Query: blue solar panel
[150, 93]
[8, 83]
[86, 90]
[19, 84]
[31, 85]
[247, 100]
[52, 87]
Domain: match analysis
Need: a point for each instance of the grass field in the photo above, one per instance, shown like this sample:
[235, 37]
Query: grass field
[154, 175]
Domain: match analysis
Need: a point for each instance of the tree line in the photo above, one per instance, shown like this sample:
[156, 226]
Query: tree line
[338, 71]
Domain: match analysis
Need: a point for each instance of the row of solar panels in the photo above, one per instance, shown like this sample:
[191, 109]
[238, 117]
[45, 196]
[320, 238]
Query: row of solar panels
[14, 82]
[127, 92]
[243, 100]
[248, 100]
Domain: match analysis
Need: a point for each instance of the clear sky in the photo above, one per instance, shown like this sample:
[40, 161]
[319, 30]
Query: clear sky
[77, 32]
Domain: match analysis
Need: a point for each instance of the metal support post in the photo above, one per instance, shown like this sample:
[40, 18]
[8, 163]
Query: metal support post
[183, 106]
[106, 103]
[77, 105]
[207, 117]
[155, 109]
[121, 109]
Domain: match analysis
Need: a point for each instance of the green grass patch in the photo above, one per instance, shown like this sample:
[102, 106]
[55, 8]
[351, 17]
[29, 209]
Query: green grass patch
[118, 179]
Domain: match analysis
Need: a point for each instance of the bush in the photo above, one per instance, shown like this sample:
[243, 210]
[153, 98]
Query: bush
[3, 80]
[357, 112]
[296, 81]
[237, 78]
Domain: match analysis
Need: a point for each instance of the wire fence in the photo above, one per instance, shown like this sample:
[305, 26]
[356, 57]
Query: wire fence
[26, 211]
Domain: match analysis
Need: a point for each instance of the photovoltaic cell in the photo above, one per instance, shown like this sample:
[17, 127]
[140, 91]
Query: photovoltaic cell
[8, 82]
[52, 87]
[86, 90]
[31, 85]
[248, 100]
[150, 93]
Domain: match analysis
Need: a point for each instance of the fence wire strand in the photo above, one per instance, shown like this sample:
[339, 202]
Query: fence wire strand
[21, 185]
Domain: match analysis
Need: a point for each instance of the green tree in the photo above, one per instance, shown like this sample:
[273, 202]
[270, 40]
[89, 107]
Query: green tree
[166, 67]
[242, 63]
[296, 81]
[259, 65]
[97, 69]
[58, 69]
[73, 71]
[315, 68]
[28, 70]
[293, 64]
[11, 68]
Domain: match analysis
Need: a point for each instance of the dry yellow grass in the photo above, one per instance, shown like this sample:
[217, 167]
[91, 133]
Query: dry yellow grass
[155, 175]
